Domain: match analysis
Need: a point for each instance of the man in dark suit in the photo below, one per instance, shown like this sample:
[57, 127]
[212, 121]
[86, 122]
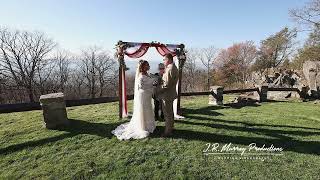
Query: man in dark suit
[157, 102]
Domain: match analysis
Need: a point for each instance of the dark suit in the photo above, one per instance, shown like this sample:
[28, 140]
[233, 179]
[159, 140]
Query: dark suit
[157, 102]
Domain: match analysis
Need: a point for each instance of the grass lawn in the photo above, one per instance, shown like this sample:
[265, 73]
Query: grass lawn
[87, 149]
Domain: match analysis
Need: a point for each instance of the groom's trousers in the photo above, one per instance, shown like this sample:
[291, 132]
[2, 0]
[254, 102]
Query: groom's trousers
[168, 115]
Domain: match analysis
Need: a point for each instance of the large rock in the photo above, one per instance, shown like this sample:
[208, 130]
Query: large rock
[311, 71]
[54, 110]
[277, 77]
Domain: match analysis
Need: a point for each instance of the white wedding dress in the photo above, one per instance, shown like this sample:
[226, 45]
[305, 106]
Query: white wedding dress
[142, 122]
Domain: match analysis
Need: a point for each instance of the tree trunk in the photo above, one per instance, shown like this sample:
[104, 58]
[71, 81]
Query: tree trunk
[101, 89]
[93, 87]
[30, 94]
[208, 79]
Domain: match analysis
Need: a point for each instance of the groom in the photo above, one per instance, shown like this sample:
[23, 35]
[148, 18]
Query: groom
[167, 92]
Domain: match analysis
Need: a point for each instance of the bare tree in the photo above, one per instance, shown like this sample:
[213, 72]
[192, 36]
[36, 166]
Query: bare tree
[96, 67]
[21, 54]
[43, 80]
[207, 57]
[309, 15]
[190, 71]
[2, 86]
[130, 82]
[77, 86]
[105, 71]
[88, 67]
[62, 68]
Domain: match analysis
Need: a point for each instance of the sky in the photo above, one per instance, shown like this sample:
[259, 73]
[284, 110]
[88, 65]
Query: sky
[77, 24]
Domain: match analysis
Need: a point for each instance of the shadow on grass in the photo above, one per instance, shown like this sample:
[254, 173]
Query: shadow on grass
[84, 127]
[241, 105]
[251, 129]
[288, 144]
[209, 110]
[247, 123]
[278, 137]
[74, 128]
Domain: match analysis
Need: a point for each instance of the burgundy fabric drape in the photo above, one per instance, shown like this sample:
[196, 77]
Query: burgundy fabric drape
[169, 49]
[137, 50]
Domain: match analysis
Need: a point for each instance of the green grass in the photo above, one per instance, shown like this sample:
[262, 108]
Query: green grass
[87, 149]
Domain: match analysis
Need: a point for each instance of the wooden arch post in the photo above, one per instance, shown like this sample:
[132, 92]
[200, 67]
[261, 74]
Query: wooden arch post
[120, 56]
[182, 59]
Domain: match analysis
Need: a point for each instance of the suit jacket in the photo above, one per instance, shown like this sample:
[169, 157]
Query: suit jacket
[170, 78]
[158, 80]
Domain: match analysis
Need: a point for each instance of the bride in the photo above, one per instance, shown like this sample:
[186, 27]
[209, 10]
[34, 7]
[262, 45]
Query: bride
[142, 122]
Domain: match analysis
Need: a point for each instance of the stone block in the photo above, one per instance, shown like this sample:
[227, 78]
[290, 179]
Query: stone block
[216, 96]
[263, 93]
[54, 110]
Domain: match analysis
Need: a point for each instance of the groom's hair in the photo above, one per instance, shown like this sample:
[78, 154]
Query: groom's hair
[169, 57]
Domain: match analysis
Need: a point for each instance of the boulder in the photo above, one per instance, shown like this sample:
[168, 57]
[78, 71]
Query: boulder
[311, 71]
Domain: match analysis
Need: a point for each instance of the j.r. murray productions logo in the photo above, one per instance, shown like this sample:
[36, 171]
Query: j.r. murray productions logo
[249, 152]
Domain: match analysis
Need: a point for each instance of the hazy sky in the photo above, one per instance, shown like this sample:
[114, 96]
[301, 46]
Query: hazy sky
[77, 24]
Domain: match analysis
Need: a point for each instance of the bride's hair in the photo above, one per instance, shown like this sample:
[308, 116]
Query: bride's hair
[141, 63]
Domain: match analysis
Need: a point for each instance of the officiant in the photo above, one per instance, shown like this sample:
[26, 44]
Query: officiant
[157, 102]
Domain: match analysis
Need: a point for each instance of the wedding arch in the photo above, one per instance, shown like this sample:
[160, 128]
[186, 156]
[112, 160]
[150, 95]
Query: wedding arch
[137, 50]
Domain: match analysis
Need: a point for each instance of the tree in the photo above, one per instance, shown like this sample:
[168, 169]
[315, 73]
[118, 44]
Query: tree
[77, 86]
[43, 82]
[96, 67]
[309, 18]
[22, 53]
[234, 63]
[190, 71]
[62, 61]
[2, 86]
[106, 71]
[309, 15]
[207, 57]
[275, 49]
[310, 52]
[314, 38]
